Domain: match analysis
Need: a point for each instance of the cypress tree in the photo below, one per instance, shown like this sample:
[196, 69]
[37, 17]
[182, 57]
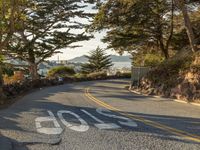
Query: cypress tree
[50, 25]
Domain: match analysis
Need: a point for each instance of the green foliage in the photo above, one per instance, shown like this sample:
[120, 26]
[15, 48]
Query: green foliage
[168, 71]
[135, 23]
[80, 76]
[6, 69]
[61, 71]
[180, 38]
[11, 14]
[150, 59]
[123, 74]
[97, 75]
[49, 26]
[9, 71]
[1, 72]
[97, 61]
[1, 59]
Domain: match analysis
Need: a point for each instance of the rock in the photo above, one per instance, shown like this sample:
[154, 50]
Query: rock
[151, 91]
[197, 95]
[197, 60]
[167, 93]
[161, 88]
[176, 90]
[3, 98]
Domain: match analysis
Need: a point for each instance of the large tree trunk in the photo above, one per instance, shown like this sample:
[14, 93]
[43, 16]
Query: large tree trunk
[164, 50]
[188, 26]
[33, 71]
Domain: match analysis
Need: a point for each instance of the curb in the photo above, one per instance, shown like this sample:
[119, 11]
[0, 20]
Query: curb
[175, 100]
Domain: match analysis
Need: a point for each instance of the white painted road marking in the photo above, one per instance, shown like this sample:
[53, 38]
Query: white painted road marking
[50, 118]
[101, 125]
[128, 122]
[81, 128]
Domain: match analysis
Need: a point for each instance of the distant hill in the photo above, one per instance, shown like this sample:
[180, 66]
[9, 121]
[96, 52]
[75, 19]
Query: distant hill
[114, 58]
[81, 59]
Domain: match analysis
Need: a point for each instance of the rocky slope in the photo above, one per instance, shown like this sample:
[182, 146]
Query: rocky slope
[177, 78]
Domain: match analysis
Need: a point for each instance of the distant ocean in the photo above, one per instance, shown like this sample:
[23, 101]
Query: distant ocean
[120, 65]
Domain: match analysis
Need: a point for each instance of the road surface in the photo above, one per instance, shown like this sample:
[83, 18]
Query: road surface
[99, 115]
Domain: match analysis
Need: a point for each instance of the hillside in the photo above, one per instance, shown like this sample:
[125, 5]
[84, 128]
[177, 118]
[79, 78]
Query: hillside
[114, 58]
[177, 78]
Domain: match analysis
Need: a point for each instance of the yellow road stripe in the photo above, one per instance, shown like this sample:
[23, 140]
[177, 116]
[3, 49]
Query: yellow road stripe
[180, 133]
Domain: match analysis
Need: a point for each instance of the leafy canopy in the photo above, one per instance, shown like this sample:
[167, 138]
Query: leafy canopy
[10, 15]
[132, 24]
[49, 26]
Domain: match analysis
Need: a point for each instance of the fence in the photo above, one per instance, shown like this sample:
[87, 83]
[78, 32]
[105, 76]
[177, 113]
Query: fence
[137, 74]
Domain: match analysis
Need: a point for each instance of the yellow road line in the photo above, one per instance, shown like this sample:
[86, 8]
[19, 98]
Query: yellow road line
[174, 131]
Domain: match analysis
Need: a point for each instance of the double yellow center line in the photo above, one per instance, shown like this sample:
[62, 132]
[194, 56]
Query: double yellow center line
[174, 131]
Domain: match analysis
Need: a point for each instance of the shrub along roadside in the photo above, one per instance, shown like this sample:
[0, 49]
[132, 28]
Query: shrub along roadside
[61, 71]
[14, 90]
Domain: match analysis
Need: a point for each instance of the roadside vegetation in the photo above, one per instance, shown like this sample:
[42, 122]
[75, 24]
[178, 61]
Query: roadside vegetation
[33, 30]
[96, 68]
[61, 71]
[161, 34]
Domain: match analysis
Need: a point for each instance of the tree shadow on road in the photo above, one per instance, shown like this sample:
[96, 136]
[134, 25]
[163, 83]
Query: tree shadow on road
[11, 144]
[37, 104]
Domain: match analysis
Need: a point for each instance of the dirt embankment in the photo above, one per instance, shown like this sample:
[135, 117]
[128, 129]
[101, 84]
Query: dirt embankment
[177, 78]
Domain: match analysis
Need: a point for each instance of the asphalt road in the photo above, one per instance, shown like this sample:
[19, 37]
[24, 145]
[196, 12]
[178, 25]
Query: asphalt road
[99, 115]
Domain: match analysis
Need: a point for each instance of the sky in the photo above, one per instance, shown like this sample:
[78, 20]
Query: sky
[87, 46]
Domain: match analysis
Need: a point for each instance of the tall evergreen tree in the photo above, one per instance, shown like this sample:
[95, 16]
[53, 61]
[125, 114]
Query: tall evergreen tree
[50, 25]
[97, 61]
[10, 15]
[134, 23]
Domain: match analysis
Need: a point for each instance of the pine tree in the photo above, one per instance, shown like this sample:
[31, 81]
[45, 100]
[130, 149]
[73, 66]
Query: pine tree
[97, 61]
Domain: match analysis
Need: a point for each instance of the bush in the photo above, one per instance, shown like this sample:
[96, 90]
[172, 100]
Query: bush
[149, 59]
[123, 74]
[14, 89]
[97, 75]
[169, 73]
[17, 77]
[61, 71]
[80, 75]
[152, 60]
